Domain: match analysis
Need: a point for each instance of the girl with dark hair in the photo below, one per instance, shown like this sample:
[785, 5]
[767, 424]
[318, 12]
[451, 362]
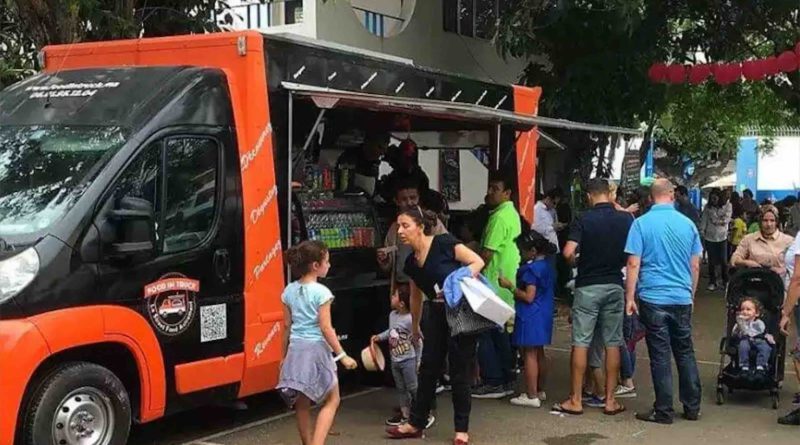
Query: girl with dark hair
[434, 259]
[534, 293]
[308, 373]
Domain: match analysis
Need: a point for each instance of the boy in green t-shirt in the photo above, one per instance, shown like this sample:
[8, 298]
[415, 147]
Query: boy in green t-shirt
[502, 258]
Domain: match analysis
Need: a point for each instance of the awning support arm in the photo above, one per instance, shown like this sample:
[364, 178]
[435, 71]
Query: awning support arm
[289, 185]
[310, 136]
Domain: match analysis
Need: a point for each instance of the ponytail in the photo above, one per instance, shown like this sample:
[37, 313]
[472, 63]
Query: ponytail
[302, 256]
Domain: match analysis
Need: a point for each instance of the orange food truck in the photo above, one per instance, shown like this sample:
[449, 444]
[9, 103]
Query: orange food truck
[147, 190]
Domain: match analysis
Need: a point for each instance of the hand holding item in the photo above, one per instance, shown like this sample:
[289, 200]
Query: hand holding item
[384, 252]
[374, 339]
[631, 308]
[505, 283]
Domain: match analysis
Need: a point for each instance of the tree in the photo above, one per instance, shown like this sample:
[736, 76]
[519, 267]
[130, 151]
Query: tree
[724, 30]
[17, 48]
[591, 57]
[710, 118]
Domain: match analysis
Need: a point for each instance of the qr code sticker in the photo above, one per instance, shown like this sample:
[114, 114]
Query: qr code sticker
[213, 323]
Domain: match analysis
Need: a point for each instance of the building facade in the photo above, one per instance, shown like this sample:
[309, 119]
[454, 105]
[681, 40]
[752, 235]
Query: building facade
[450, 35]
[770, 174]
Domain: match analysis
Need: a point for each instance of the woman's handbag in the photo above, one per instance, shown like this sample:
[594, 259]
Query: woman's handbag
[461, 320]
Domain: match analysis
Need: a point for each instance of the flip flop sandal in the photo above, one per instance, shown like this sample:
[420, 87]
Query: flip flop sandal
[560, 409]
[619, 410]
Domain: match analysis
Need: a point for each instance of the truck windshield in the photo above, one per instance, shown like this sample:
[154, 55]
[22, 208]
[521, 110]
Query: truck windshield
[45, 169]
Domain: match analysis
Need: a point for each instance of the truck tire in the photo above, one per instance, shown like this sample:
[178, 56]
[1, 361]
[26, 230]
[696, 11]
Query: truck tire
[78, 403]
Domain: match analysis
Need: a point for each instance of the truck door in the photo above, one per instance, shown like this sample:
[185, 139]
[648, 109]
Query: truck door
[190, 289]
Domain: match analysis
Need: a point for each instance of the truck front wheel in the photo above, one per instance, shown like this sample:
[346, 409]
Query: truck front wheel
[78, 404]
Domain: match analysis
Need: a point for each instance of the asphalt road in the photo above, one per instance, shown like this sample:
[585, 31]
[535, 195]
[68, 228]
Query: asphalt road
[746, 418]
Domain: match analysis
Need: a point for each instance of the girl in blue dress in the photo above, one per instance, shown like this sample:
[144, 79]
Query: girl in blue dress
[533, 325]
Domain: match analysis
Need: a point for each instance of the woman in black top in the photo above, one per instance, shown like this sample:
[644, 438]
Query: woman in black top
[434, 258]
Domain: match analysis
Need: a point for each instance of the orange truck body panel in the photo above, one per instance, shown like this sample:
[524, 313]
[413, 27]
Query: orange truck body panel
[205, 374]
[247, 80]
[28, 343]
[526, 101]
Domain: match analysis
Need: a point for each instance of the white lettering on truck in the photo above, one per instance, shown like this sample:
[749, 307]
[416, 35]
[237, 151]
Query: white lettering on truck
[251, 155]
[258, 212]
[259, 269]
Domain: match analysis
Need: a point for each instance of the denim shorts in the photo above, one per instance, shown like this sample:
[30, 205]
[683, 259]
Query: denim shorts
[598, 308]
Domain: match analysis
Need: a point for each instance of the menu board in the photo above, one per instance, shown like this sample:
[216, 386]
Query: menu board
[631, 170]
[450, 171]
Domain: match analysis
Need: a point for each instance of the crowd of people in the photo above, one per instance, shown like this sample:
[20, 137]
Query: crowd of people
[638, 268]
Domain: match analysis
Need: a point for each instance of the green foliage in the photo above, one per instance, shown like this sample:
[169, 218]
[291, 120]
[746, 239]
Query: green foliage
[17, 49]
[710, 118]
[591, 58]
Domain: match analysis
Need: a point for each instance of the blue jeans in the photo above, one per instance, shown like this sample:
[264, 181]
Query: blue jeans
[669, 332]
[763, 351]
[495, 358]
[627, 355]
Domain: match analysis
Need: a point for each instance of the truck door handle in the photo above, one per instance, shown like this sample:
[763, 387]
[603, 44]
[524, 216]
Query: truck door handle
[222, 265]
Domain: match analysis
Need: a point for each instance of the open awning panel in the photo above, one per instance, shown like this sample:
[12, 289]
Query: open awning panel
[459, 111]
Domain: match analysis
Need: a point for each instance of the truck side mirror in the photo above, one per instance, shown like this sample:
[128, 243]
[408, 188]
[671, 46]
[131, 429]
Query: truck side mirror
[133, 220]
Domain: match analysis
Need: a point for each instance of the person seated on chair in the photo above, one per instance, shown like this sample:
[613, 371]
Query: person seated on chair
[750, 331]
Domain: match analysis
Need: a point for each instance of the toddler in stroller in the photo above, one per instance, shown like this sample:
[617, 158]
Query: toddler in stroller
[754, 298]
[750, 331]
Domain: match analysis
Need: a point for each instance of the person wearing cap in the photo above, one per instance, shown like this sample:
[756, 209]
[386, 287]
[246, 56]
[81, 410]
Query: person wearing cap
[404, 160]
[358, 167]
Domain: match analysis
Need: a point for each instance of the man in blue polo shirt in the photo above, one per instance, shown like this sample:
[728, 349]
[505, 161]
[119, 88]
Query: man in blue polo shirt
[600, 233]
[663, 269]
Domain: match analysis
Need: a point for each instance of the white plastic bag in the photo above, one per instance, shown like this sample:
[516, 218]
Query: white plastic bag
[485, 302]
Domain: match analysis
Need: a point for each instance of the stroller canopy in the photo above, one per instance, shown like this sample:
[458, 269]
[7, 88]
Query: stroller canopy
[763, 284]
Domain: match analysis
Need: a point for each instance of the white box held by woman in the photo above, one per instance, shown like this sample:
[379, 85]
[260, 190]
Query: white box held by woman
[484, 301]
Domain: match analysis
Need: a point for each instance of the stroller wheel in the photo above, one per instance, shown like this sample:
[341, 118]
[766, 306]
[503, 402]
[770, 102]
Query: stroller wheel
[720, 396]
[775, 400]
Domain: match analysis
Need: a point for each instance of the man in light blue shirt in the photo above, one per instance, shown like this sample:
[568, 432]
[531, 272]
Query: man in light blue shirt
[663, 268]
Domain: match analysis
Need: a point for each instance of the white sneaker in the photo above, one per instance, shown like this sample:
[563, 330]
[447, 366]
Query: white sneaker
[524, 400]
[712, 287]
[542, 396]
[623, 392]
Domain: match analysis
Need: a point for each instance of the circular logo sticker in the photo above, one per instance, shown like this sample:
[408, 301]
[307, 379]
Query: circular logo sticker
[171, 303]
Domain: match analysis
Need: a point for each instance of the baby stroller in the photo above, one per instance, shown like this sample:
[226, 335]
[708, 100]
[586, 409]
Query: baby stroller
[767, 287]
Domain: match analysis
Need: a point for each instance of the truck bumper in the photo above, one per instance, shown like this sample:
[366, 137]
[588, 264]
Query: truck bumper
[22, 350]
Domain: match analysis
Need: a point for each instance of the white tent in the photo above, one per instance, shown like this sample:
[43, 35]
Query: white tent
[723, 182]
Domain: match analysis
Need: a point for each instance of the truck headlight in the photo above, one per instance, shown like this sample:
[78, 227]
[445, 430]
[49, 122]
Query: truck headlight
[17, 272]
